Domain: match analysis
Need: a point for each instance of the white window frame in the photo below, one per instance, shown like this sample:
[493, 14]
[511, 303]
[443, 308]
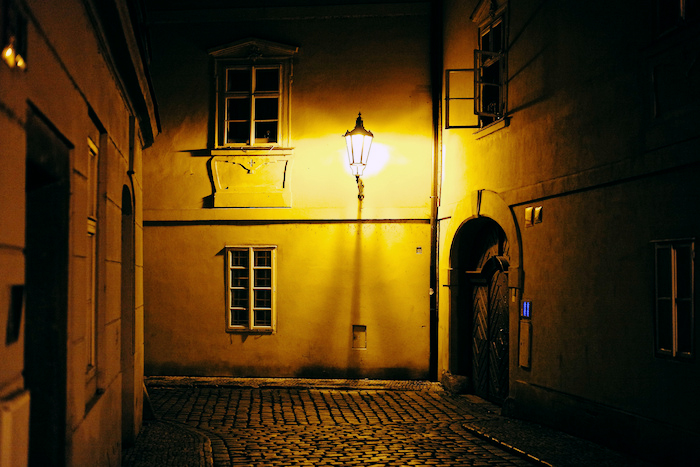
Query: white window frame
[252, 54]
[668, 303]
[252, 94]
[250, 289]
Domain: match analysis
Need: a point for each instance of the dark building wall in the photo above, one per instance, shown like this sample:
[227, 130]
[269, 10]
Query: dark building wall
[601, 132]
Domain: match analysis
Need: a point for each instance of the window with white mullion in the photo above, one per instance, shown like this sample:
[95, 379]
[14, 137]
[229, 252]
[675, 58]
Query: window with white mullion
[252, 105]
[239, 288]
[262, 289]
[251, 293]
[266, 108]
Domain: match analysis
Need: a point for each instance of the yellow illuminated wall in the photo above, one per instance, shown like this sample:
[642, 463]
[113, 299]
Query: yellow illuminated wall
[341, 262]
[329, 278]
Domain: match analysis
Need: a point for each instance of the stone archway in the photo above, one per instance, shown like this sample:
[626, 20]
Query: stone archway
[479, 321]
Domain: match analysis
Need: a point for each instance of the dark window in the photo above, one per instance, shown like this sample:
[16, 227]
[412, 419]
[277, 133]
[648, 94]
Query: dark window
[674, 298]
[489, 77]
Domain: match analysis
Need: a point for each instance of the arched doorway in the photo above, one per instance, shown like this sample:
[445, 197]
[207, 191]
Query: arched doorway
[479, 326]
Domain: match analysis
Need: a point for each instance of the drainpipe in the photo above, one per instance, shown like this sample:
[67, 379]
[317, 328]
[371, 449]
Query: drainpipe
[436, 65]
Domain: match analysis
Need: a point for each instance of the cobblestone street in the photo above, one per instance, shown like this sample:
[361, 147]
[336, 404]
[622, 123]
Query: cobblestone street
[309, 426]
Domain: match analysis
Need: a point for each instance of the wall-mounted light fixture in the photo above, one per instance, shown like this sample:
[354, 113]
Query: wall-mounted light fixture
[14, 36]
[358, 142]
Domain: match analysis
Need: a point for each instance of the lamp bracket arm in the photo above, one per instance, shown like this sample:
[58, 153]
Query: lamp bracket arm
[360, 188]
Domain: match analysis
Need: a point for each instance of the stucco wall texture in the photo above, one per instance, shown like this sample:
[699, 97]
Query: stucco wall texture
[330, 277]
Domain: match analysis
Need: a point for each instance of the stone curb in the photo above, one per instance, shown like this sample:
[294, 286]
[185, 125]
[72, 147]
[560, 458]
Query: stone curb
[272, 383]
[505, 446]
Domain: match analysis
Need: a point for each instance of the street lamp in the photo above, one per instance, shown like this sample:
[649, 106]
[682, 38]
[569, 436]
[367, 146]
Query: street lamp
[358, 142]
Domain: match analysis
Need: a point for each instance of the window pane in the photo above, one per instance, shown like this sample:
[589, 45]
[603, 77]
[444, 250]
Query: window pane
[263, 258]
[239, 258]
[263, 298]
[238, 132]
[461, 113]
[239, 298]
[238, 81]
[267, 80]
[684, 271]
[266, 132]
[664, 325]
[238, 108]
[461, 84]
[486, 40]
[492, 73]
[239, 278]
[263, 278]
[490, 99]
[266, 108]
[496, 35]
[685, 326]
[239, 317]
[664, 274]
[263, 318]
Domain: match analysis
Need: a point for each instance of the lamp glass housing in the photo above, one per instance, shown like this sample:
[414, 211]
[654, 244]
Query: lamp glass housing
[359, 142]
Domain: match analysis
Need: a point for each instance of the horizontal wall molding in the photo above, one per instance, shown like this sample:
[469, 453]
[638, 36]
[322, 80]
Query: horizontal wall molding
[180, 223]
[348, 213]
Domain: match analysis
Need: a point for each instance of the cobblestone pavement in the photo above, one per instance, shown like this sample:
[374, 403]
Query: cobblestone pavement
[339, 423]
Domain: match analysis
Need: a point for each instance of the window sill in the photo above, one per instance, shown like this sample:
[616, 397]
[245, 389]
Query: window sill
[492, 128]
[250, 331]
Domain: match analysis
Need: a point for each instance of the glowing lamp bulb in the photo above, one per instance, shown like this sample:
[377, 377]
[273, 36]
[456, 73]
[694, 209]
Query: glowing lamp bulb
[359, 142]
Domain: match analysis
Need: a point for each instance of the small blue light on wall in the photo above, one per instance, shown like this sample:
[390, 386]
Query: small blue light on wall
[526, 309]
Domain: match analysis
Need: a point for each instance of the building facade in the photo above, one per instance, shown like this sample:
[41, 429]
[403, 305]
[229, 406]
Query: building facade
[262, 259]
[75, 112]
[568, 216]
[524, 229]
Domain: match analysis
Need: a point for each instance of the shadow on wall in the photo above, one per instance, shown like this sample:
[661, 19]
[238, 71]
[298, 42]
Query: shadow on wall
[310, 371]
[393, 373]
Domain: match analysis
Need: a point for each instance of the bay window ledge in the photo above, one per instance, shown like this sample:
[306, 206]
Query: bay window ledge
[251, 177]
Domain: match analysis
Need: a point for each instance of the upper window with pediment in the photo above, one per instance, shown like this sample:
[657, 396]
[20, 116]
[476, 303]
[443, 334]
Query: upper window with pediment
[253, 79]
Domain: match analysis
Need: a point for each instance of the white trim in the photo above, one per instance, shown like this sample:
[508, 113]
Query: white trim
[251, 288]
